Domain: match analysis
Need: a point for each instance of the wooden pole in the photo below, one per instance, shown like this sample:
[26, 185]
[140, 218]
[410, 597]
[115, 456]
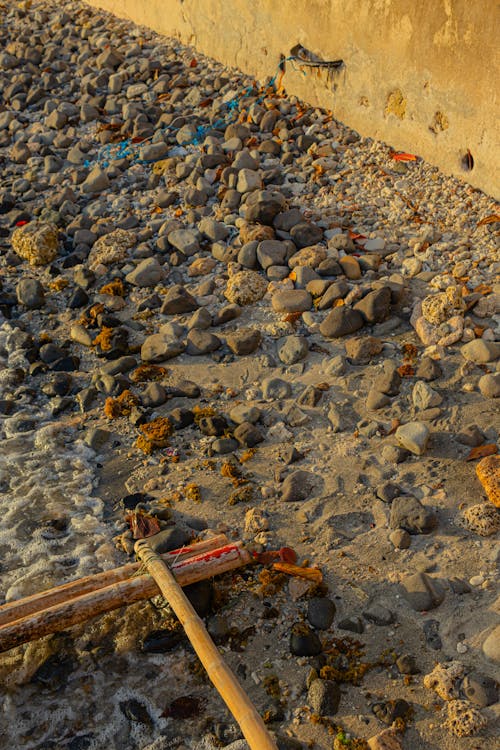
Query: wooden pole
[63, 615]
[36, 602]
[251, 724]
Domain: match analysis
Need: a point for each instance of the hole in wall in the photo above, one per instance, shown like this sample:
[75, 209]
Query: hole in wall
[467, 161]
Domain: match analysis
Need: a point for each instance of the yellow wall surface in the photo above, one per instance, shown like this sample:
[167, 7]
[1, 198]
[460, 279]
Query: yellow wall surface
[421, 75]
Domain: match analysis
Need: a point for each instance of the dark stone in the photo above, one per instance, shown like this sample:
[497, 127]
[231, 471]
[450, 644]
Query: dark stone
[341, 321]
[58, 384]
[136, 712]
[422, 592]
[389, 711]
[248, 435]
[79, 298]
[389, 380]
[201, 342]
[409, 514]
[304, 641]
[30, 294]
[407, 664]
[388, 491]
[224, 445]
[169, 539]
[376, 306]
[161, 641]
[378, 615]
[51, 353]
[428, 369]
[244, 341]
[178, 300]
[320, 612]
[66, 364]
[181, 418]
[310, 396]
[324, 697]
[290, 455]
[305, 234]
[200, 595]
[298, 486]
[431, 633]
[353, 624]
[54, 672]
[213, 426]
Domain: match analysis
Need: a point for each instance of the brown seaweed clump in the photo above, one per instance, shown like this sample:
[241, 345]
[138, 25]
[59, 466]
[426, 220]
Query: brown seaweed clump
[115, 288]
[155, 435]
[104, 339]
[121, 406]
[147, 373]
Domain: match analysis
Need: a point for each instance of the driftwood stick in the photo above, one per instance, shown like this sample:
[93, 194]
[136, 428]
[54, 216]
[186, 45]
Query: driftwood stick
[63, 615]
[36, 602]
[230, 690]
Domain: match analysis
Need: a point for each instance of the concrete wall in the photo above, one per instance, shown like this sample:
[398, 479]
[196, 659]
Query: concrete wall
[421, 75]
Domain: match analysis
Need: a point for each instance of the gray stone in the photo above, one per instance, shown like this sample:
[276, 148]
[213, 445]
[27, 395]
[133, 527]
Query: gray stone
[96, 438]
[293, 349]
[489, 385]
[361, 349]
[154, 395]
[304, 641]
[170, 539]
[377, 614]
[341, 321]
[353, 624]
[471, 435]
[275, 388]
[298, 486]
[341, 242]
[248, 180]
[247, 256]
[213, 230]
[321, 612]
[30, 294]
[389, 380]
[425, 397]
[245, 412]
[178, 300]
[158, 347]
[271, 253]
[422, 592]
[376, 400]
[481, 351]
[185, 241]
[376, 306]
[201, 342]
[324, 697]
[335, 291]
[248, 435]
[96, 181]
[305, 235]
[200, 319]
[224, 445]
[428, 369]
[153, 151]
[148, 273]
[244, 341]
[409, 514]
[413, 436]
[287, 219]
[291, 300]
[480, 689]
[263, 205]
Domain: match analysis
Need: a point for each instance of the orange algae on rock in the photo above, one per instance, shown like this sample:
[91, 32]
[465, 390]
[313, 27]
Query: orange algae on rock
[155, 435]
[121, 406]
[104, 338]
[145, 373]
[115, 288]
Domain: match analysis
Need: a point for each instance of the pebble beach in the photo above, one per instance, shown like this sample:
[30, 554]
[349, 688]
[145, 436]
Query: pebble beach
[222, 311]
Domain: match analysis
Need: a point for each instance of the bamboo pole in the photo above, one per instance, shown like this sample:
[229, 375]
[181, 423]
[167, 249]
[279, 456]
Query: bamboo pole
[238, 702]
[45, 599]
[61, 616]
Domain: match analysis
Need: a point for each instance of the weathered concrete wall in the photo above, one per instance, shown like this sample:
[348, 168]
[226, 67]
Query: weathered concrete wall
[422, 76]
